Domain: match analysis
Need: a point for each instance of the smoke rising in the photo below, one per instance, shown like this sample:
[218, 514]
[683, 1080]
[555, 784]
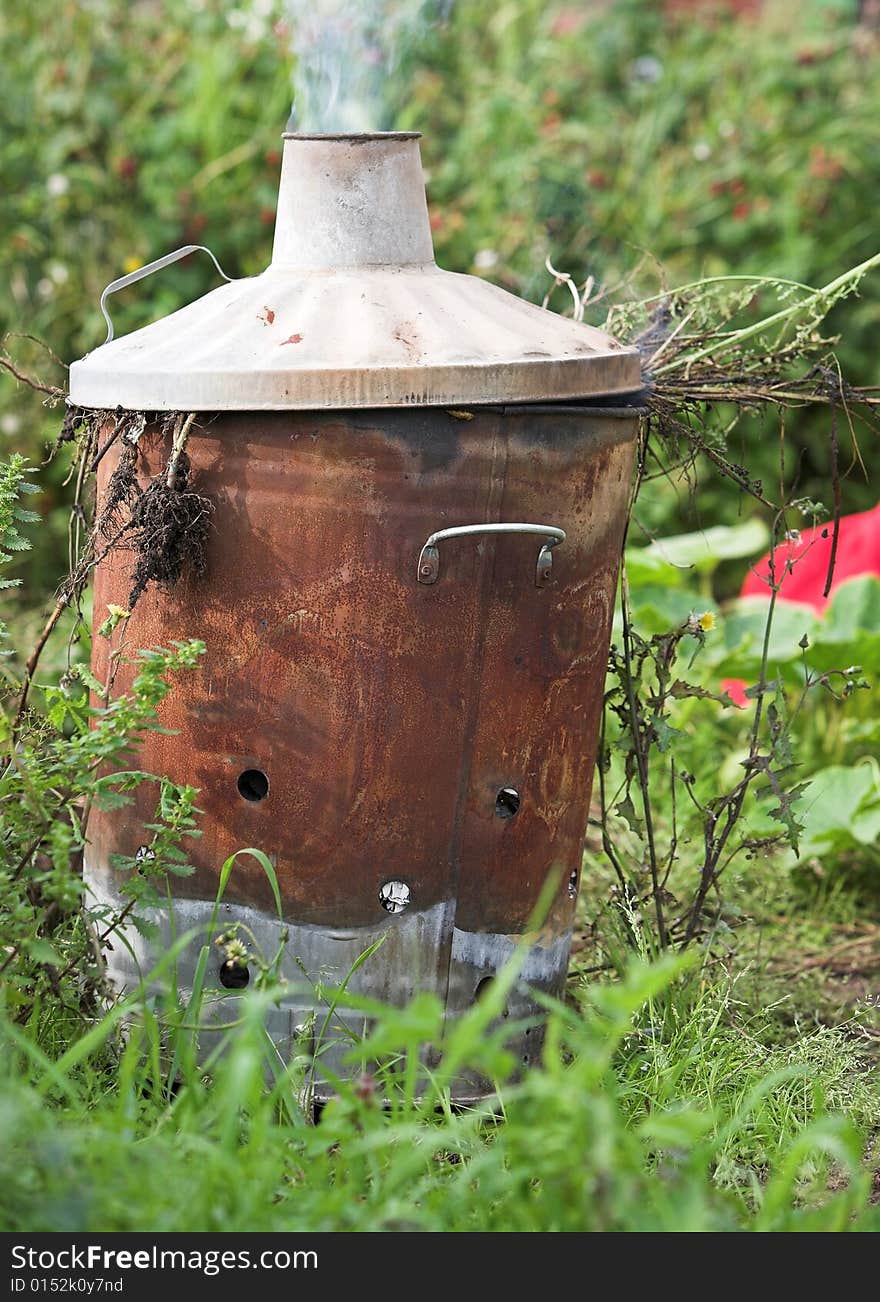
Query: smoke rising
[346, 54]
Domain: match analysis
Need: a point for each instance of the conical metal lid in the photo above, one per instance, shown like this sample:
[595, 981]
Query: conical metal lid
[353, 312]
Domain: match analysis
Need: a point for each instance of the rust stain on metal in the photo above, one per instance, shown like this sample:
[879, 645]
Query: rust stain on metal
[387, 716]
[292, 339]
[407, 334]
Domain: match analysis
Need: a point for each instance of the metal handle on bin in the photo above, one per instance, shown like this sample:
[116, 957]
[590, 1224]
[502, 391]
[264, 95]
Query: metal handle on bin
[148, 270]
[429, 557]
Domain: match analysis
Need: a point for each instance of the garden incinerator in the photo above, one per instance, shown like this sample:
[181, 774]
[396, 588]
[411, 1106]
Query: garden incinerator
[420, 486]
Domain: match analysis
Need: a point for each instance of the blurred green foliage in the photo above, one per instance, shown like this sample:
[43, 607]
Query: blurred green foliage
[594, 131]
[818, 721]
[646, 143]
[127, 130]
[619, 138]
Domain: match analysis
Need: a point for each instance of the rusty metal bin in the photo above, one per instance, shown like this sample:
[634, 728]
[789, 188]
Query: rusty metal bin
[420, 488]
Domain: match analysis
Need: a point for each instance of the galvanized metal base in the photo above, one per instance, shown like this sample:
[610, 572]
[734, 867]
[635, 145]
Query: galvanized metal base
[317, 960]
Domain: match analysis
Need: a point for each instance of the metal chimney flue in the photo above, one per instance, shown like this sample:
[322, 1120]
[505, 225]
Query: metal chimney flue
[352, 201]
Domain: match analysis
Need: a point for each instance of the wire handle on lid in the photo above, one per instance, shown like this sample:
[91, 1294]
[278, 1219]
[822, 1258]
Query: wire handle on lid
[148, 270]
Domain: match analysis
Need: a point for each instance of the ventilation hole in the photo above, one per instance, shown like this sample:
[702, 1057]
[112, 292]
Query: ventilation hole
[233, 976]
[394, 897]
[483, 988]
[573, 885]
[253, 784]
[507, 802]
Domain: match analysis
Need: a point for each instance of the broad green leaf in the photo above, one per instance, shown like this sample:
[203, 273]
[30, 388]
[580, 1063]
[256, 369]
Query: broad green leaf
[737, 652]
[841, 807]
[854, 609]
[705, 550]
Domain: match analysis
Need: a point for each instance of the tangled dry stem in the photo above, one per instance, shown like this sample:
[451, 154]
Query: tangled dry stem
[166, 524]
[710, 356]
[168, 530]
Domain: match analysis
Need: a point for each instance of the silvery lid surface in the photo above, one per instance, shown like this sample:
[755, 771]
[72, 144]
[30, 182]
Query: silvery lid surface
[353, 312]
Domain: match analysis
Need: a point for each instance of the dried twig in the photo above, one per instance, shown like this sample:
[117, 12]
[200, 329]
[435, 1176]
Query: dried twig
[181, 436]
[51, 390]
[33, 660]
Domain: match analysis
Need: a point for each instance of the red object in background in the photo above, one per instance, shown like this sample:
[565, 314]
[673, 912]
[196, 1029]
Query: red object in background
[801, 569]
[801, 566]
